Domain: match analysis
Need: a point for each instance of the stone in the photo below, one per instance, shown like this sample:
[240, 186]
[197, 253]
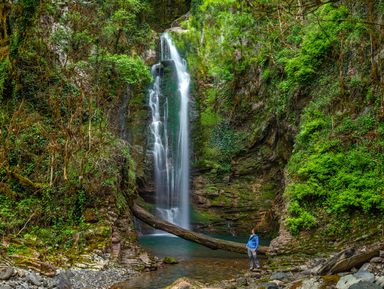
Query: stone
[315, 270]
[176, 30]
[170, 260]
[310, 284]
[23, 285]
[377, 260]
[6, 273]
[242, 281]
[63, 281]
[185, 283]
[381, 254]
[379, 280]
[364, 285]
[365, 267]
[50, 283]
[282, 276]
[272, 285]
[5, 287]
[346, 281]
[34, 279]
[145, 258]
[150, 56]
[278, 282]
[364, 276]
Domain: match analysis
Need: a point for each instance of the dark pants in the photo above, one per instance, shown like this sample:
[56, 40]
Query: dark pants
[253, 260]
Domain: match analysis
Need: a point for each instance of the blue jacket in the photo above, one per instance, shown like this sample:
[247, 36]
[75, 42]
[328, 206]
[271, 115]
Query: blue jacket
[253, 242]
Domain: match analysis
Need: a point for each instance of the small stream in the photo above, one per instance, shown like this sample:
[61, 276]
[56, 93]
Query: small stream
[195, 261]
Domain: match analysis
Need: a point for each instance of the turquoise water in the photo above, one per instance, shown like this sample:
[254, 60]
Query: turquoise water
[195, 261]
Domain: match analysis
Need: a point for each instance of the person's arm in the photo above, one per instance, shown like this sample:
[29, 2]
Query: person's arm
[246, 244]
[257, 241]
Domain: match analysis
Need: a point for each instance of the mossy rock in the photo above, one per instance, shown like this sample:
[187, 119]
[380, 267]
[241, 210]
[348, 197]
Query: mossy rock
[330, 280]
[170, 260]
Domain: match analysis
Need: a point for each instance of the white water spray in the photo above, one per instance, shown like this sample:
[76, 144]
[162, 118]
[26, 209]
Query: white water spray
[170, 132]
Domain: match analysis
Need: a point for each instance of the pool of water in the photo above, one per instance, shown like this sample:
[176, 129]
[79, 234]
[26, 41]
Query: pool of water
[195, 261]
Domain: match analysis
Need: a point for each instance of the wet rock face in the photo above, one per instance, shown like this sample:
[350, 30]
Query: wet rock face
[235, 204]
[167, 12]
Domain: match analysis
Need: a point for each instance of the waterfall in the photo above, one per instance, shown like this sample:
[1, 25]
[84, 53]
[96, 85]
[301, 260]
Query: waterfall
[169, 102]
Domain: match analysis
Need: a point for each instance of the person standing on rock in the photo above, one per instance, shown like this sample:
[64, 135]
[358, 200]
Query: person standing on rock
[252, 245]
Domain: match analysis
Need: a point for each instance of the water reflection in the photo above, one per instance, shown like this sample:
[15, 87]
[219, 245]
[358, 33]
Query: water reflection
[197, 262]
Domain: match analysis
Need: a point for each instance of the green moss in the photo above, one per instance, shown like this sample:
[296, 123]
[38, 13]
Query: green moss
[203, 217]
[170, 260]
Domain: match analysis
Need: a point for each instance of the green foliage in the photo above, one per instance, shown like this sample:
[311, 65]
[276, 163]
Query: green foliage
[225, 139]
[59, 150]
[209, 118]
[300, 219]
[131, 69]
[339, 177]
[315, 43]
[4, 70]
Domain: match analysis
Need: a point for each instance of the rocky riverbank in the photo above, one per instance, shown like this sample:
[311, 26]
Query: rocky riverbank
[370, 275]
[67, 279]
[102, 273]
[365, 271]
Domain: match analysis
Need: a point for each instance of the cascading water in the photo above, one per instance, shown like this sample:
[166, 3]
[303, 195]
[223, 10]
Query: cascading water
[169, 102]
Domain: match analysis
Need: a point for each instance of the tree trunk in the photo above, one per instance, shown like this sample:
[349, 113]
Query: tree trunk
[347, 259]
[201, 239]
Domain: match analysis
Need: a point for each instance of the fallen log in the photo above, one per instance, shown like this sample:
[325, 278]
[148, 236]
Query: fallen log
[349, 258]
[210, 242]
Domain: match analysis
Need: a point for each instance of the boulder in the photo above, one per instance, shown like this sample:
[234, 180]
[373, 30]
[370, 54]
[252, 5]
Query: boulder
[282, 276]
[170, 260]
[6, 273]
[364, 285]
[34, 279]
[377, 260]
[364, 276]
[365, 267]
[346, 281]
[310, 284]
[380, 281]
[63, 281]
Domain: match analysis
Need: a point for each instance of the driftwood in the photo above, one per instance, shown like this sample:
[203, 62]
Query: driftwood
[347, 259]
[212, 243]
